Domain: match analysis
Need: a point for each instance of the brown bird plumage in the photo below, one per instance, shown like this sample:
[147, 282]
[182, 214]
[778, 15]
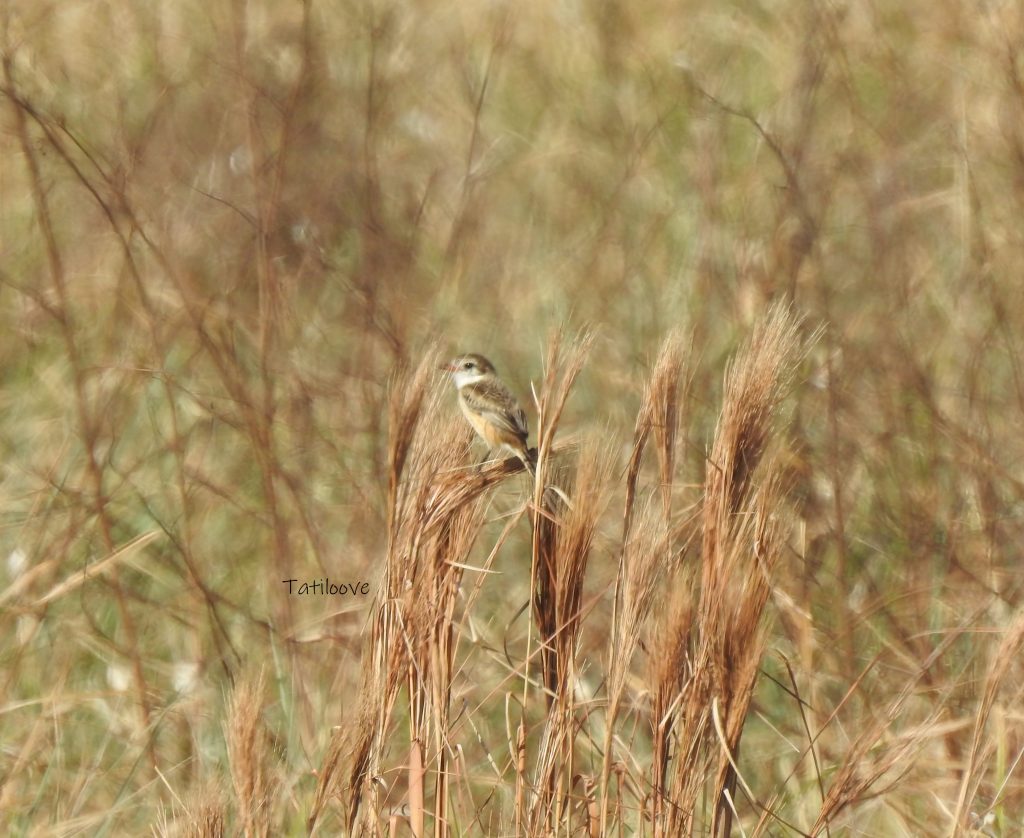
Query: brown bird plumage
[490, 407]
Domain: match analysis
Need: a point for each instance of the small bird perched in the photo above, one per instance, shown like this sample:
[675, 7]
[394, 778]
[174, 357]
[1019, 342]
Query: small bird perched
[490, 407]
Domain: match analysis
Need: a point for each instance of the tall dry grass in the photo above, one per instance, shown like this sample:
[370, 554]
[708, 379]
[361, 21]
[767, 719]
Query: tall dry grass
[704, 660]
[767, 579]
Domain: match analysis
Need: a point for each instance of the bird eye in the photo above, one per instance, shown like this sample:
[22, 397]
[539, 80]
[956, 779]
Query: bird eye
[468, 365]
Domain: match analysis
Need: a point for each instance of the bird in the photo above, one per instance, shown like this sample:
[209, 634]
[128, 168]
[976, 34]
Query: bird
[490, 407]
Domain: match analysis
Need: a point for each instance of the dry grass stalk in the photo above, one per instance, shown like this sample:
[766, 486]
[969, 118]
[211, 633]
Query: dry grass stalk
[521, 778]
[712, 649]
[645, 560]
[858, 772]
[645, 555]
[667, 400]
[982, 746]
[661, 411]
[206, 815]
[737, 557]
[443, 545]
[572, 539]
[385, 655]
[435, 511]
[247, 754]
[670, 675]
[560, 374]
[741, 646]
[416, 783]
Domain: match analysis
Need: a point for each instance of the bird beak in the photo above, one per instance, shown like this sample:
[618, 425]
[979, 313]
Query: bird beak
[447, 367]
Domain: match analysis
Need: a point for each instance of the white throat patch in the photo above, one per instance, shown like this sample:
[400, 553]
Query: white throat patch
[464, 377]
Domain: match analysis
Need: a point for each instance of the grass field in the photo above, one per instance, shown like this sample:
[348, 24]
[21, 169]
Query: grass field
[755, 271]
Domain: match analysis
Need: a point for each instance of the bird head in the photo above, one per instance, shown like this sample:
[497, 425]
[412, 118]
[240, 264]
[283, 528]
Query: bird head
[468, 369]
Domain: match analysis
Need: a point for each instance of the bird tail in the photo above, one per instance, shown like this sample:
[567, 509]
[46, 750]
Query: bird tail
[530, 461]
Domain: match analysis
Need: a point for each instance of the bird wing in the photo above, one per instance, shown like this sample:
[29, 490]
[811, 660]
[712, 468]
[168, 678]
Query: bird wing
[495, 403]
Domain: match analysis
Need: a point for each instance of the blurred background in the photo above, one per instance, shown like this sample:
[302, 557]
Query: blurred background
[225, 225]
